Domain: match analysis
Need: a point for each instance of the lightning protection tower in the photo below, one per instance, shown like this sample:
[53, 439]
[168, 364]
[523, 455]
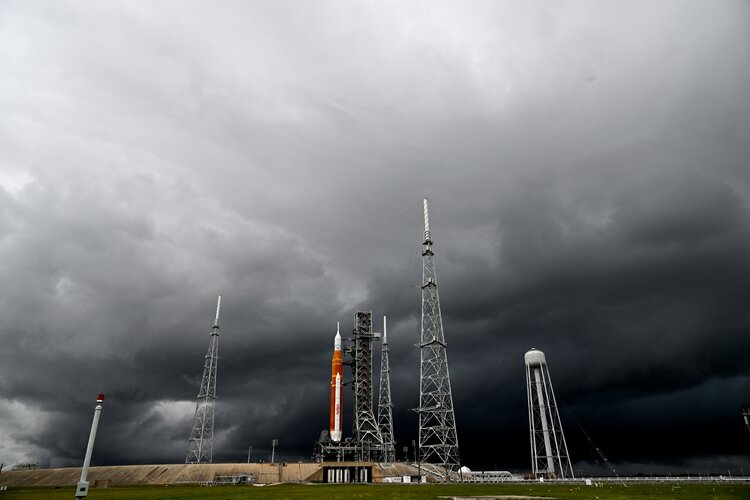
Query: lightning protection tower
[438, 441]
[549, 453]
[385, 404]
[201, 442]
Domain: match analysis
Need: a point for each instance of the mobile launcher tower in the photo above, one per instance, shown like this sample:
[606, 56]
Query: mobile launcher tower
[549, 453]
[366, 443]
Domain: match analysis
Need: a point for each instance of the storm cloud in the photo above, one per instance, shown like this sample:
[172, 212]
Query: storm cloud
[588, 169]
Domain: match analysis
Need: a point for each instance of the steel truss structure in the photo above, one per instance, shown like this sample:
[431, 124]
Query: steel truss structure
[201, 441]
[385, 404]
[365, 428]
[438, 440]
[549, 452]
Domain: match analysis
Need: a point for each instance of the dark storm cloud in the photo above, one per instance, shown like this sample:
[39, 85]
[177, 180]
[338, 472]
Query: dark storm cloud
[587, 167]
[641, 300]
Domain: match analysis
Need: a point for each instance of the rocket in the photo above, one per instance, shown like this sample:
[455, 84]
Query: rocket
[337, 392]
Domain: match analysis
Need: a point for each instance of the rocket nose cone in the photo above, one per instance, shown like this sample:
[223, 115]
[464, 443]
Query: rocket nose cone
[337, 341]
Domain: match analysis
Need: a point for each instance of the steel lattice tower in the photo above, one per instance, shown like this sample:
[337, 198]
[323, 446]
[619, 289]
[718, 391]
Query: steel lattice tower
[366, 431]
[385, 404]
[549, 452]
[438, 441]
[201, 442]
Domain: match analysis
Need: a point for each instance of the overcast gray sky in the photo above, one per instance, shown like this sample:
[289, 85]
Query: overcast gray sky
[588, 166]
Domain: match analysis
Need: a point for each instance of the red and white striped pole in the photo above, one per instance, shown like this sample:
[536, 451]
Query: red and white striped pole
[83, 485]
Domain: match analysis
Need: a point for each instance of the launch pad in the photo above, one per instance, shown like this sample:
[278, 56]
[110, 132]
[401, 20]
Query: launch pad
[366, 444]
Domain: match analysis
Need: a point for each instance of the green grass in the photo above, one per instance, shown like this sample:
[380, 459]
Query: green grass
[392, 491]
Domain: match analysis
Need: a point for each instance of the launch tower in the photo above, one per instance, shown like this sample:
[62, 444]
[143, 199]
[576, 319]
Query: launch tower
[385, 404]
[549, 453]
[366, 432]
[438, 441]
[366, 444]
[201, 442]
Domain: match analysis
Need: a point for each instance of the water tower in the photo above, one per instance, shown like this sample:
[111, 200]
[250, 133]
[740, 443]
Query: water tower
[549, 453]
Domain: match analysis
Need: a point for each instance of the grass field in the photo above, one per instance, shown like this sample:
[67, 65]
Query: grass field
[393, 491]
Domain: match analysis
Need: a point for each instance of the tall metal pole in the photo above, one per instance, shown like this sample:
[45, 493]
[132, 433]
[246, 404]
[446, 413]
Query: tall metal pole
[438, 440]
[82, 489]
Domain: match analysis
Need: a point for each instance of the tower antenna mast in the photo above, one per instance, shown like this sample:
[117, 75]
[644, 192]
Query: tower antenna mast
[438, 441]
[201, 441]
